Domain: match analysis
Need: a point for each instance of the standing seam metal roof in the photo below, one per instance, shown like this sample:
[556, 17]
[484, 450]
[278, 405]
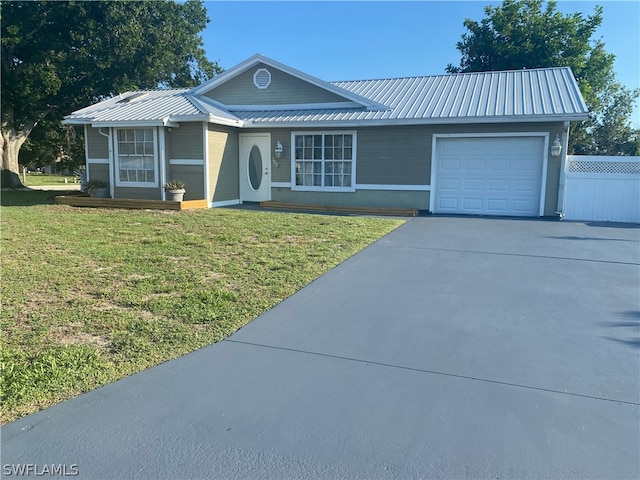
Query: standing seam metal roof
[546, 93]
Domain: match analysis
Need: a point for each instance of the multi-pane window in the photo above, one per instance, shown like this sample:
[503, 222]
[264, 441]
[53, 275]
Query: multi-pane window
[324, 161]
[136, 156]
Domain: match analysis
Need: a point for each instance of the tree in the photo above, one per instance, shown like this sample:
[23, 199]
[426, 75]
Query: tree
[61, 56]
[521, 34]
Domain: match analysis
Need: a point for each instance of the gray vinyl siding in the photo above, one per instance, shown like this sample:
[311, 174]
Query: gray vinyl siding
[99, 171]
[281, 173]
[185, 141]
[359, 198]
[192, 176]
[97, 144]
[394, 156]
[223, 152]
[138, 193]
[284, 89]
[400, 155]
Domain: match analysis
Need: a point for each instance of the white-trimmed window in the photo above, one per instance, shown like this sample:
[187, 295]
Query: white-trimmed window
[137, 162]
[323, 161]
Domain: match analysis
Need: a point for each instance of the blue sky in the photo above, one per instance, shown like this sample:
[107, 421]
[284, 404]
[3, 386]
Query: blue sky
[339, 40]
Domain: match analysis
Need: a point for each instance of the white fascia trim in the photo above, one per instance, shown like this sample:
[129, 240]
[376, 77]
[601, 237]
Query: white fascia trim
[258, 58]
[225, 121]
[292, 106]
[98, 160]
[186, 161]
[129, 124]
[76, 121]
[402, 122]
[225, 203]
[399, 188]
[280, 184]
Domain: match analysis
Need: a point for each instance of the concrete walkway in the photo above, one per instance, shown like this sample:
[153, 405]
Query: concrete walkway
[452, 348]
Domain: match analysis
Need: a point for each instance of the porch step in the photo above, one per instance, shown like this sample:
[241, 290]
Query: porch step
[396, 212]
[130, 203]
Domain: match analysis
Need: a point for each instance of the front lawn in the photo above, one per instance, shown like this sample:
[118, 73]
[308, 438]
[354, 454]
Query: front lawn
[92, 295]
[43, 179]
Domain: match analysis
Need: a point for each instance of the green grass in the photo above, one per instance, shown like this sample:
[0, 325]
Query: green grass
[41, 179]
[92, 295]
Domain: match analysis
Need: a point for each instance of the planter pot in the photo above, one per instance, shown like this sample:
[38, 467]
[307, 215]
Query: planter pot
[99, 193]
[175, 195]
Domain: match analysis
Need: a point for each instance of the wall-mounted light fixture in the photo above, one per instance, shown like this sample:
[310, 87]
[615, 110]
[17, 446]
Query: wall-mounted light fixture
[278, 152]
[556, 148]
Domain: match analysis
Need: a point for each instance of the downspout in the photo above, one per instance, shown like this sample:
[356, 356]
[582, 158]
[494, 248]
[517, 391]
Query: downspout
[86, 158]
[563, 170]
[163, 167]
[112, 179]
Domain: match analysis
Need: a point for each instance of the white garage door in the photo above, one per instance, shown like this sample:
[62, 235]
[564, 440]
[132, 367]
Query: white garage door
[489, 175]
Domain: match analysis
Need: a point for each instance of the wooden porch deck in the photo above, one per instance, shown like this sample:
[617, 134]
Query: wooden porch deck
[130, 203]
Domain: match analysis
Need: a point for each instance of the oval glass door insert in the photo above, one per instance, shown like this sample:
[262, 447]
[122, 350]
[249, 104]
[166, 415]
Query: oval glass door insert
[254, 167]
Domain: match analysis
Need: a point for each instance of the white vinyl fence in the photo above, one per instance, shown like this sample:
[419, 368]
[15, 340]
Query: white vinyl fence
[602, 189]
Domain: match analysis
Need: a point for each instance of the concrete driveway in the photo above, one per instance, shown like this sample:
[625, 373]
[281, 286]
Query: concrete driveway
[452, 348]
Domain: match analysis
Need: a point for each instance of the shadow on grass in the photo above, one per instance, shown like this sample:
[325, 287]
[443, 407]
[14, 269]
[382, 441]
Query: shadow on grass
[28, 198]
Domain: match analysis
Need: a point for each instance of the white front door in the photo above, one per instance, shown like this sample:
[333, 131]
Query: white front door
[255, 167]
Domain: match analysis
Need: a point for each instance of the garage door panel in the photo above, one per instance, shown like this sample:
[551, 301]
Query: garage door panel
[525, 186]
[498, 185]
[446, 204]
[523, 206]
[474, 164]
[449, 184]
[489, 175]
[472, 204]
[499, 164]
[498, 205]
[473, 184]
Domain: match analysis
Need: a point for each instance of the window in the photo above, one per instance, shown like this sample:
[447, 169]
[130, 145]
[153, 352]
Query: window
[136, 157]
[324, 161]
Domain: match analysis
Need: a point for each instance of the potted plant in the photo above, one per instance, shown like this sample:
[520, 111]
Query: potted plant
[97, 188]
[175, 190]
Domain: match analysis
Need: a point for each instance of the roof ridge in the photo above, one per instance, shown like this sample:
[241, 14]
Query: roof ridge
[448, 74]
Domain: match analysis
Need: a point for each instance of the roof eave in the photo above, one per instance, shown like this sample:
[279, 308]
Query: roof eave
[414, 121]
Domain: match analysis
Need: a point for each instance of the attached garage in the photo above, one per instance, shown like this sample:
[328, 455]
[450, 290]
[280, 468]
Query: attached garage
[489, 174]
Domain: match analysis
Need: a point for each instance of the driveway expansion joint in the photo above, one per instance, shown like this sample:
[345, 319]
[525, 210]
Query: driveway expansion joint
[524, 255]
[434, 372]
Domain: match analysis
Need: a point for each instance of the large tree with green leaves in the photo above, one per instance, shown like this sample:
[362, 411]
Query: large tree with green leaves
[61, 56]
[533, 34]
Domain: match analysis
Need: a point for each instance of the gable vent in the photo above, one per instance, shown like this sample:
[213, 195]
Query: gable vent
[262, 78]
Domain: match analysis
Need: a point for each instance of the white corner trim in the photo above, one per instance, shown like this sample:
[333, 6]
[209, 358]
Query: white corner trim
[225, 203]
[280, 184]
[205, 160]
[399, 188]
[186, 161]
[98, 160]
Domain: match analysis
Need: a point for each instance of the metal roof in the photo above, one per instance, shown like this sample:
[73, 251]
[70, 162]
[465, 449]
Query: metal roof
[159, 107]
[545, 94]
[517, 95]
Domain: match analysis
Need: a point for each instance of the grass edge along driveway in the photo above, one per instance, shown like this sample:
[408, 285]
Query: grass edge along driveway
[93, 295]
